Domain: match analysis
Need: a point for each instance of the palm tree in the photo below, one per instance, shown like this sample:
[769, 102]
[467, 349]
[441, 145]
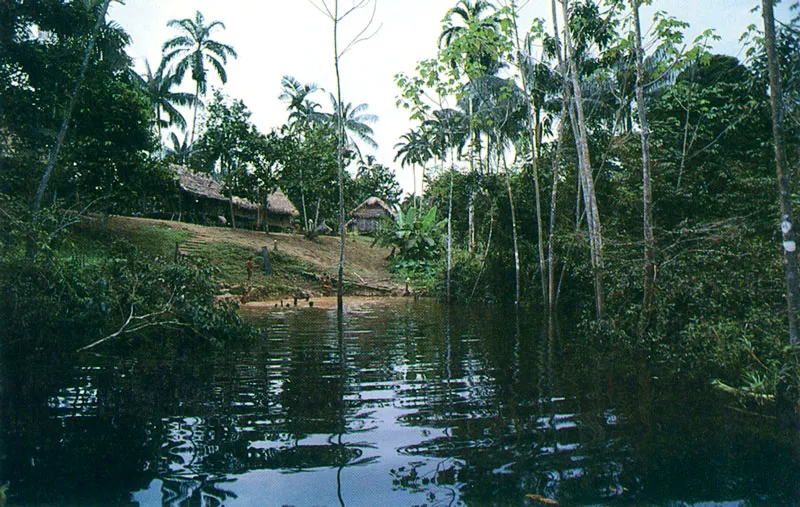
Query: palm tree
[447, 129]
[413, 150]
[193, 48]
[301, 108]
[158, 86]
[302, 113]
[355, 122]
[181, 151]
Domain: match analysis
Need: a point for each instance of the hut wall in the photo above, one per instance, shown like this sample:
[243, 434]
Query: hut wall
[246, 218]
[275, 222]
[200, 209]
[366, 225]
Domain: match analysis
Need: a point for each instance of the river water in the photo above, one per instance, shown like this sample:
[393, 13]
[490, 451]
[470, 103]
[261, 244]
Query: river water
[405, 404]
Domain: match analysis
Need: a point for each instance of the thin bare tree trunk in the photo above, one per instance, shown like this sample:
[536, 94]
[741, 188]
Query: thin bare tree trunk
[303, 201]
[513, 229]
[647, 189]
[316, 212]
[62, 132]
[533, 132]
[194, 112]
[784, 184]
[449, 236]
[587, 178]
[566, 112]
[471, 205]
[551, 265]
[683, 150]
[230, 203]
[339, 158]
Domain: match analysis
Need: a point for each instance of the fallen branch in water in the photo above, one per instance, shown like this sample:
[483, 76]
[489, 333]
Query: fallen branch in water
[741, 392]
[139, 321]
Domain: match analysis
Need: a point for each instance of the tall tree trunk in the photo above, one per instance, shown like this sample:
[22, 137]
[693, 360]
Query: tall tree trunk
[414, 178]
[587, 178]
[784, 184]
[471, 204]
[449, 237]
[316, 213]
[471, 221]
[230, 203]
[303, 201]
[194, 111]
[533, 128]
[225, 170]
[551, 264]
[566, 112]
[158, 126]
[514, 231]
[62, 132]
[339, 158]
[647, 189]
[422, 180]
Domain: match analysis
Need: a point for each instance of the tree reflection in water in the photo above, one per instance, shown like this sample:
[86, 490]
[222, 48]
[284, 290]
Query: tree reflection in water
[407, 404]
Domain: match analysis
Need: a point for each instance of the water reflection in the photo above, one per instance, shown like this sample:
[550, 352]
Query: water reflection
[406, 404]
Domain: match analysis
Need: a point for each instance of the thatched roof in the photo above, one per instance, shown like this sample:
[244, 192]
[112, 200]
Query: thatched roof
[279, 204]
[372, 208]
[198, 184]
[205, 186]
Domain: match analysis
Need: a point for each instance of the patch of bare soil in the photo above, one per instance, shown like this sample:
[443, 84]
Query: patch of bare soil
[351, 304]
[365, 266]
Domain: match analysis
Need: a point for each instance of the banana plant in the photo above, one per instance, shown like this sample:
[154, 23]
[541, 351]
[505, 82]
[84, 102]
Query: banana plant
[415, 236]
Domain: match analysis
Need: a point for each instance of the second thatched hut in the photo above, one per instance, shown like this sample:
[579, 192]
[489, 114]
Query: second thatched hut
[279, 212]
[369, 216]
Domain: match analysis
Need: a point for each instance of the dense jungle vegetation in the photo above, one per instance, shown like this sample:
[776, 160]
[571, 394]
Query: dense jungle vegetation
[626, 177]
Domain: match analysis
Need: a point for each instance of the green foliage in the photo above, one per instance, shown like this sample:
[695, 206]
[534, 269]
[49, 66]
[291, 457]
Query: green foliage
[235, 150]
[474, 38]
[107, 152]
[158, 86]
[309, 170]
[56, 284]
[375, 180]
[416, 237]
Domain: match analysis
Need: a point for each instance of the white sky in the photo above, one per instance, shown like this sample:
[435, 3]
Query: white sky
[274, 38]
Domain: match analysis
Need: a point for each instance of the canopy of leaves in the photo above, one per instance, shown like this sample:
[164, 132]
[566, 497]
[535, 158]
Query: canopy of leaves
[43, 44]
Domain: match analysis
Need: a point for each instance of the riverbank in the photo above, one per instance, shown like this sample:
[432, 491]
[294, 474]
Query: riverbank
[298, 265]
[256, 309]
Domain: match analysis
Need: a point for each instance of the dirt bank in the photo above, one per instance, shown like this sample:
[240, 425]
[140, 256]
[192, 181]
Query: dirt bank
[298, 264]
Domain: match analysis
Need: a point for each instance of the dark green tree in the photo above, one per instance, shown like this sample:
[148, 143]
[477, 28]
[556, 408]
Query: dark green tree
[231, 147]
[375, 180]
[303, 116]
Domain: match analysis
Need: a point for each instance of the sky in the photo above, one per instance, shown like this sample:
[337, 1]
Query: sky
[274, 38]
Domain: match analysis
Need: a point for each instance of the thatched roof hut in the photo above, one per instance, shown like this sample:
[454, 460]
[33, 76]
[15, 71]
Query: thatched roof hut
[203, 194]
[372, 208]
[279, 204]
[280, 212]
[201, 185]
[368, 215]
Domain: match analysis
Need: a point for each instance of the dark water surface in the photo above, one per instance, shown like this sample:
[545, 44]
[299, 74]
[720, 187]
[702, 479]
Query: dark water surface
[405, 405]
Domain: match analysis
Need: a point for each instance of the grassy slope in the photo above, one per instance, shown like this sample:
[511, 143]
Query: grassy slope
[298, 264]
